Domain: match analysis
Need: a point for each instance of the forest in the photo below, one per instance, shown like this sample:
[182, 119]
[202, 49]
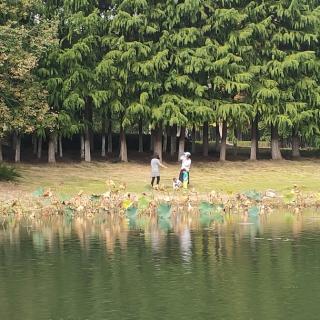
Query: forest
[72, 70]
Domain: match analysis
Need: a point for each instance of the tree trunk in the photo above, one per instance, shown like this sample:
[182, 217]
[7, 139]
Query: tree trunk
[193, 137]
[223, 147]
[60, 147]
[217, 136]
[82, 147]
[51, 148]
[158, 141]
[181, 142]
[173, 140]
[103, 135]
[152, 140]
[39, 152]
[275, 149]
[91, 136]
[17, 156]
[14, 141]
[87, 147]
[110, 135]
[235, 143]
[56, 143]
[295, 143]
[165, 140]
[123, 156]
[89, 118]
[88, 132]
[103, 145]
[239, 134]
[254, 139]
[34, 144]
[140, 135]
[205, 139]
[1, 155]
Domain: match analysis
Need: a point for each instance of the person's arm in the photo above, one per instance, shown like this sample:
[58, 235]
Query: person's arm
[162, 165]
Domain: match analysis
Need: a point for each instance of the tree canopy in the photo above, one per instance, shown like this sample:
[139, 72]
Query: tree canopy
[70, 67]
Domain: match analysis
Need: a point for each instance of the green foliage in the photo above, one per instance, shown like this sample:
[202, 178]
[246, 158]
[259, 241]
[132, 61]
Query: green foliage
[205, 208]
[25, 35]
[287, 90]
[143, 203]
[38, 192]
[289, 198]
[8, 173]
[253, 211]
[253, 195]
[68, 66]
[131, 212]
[210, 212]
[164, 210]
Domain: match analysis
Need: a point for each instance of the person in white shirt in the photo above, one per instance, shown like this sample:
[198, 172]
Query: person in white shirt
[185, 165]
[155, 169]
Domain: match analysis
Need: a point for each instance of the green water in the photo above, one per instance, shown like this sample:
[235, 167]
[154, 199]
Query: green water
[267, 268]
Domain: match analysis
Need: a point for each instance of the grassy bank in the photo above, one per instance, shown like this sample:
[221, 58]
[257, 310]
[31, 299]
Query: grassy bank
[228, 177]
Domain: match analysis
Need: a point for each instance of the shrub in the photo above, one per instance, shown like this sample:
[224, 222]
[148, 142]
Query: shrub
[8, 173]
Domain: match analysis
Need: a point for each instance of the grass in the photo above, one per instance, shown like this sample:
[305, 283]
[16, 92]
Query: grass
[70, 178]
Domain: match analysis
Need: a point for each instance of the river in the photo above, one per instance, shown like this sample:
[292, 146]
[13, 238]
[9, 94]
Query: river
[109, 268]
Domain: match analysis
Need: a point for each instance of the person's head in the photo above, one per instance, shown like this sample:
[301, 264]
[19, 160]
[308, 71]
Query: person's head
[156, 156]
[174, 179]
[187, 155]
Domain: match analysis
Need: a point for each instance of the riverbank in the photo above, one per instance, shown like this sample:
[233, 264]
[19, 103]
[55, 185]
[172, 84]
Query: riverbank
[228, 177]
[159, 202]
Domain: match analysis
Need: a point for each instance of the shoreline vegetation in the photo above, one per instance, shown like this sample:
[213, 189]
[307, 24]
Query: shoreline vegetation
[159, 202]
[123, 189]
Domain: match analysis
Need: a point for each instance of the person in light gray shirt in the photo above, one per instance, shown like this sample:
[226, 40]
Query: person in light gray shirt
[155, 169]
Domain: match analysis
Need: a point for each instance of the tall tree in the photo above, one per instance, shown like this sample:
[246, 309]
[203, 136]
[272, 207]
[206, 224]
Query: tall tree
[79, 57]
[132, 62]
[184, 93]
[229, 32]
[289, 91]
[25, 35]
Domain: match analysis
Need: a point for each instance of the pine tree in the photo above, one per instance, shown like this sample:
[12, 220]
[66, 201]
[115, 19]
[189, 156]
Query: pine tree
[229, 33]
[80, 54]
[131, 63]
[289, 92]
[63, 122]
[183, 100]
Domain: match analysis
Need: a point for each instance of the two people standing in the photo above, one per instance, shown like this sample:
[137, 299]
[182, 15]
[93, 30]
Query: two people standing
[184, 175]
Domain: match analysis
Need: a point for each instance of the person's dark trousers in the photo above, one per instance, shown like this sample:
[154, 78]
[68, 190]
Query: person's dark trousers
[153, 178]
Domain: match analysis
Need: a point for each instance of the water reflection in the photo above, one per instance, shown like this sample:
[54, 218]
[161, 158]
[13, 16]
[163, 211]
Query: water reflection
[113, 231]
[184, 267]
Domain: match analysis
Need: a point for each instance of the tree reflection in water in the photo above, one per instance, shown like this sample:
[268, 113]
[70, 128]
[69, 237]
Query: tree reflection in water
[111, 267]
[218, 238]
